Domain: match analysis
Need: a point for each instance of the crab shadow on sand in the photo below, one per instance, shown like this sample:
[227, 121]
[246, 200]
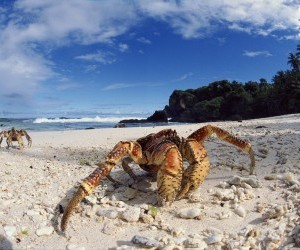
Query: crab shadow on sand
[5, 244]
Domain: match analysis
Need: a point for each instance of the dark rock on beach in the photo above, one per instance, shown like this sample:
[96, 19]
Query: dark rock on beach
[120, 125]
[158, 116]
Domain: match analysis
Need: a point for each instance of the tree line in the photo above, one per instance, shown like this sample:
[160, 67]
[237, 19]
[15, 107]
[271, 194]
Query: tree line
[232, 100]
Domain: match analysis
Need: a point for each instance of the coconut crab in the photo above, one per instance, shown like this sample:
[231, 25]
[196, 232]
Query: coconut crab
[15, 135]
[162, 153]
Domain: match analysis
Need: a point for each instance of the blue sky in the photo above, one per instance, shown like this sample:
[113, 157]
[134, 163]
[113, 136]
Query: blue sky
[96, 56]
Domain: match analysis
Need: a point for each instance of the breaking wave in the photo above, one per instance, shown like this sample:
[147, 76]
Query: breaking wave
[96, 119]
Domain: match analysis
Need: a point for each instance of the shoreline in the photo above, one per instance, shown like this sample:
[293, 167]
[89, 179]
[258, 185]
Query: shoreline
[34, 181]
[24, 123]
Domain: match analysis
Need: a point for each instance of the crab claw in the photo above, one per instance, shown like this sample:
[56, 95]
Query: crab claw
[77, 198]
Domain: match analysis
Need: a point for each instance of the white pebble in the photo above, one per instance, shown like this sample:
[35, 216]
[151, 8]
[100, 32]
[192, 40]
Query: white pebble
[195, 243]
[10, 230]
[131, 214]
[91, 199]
[108, 213]
[74, 247]
[44, 231]
[241, 211]
[225, 195]
[224, 215]
[189, 213]
[214, 238]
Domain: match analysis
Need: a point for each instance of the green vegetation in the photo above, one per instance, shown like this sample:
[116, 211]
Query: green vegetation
[84, 162]
[225, 100]
[24, 232]
[153, 211]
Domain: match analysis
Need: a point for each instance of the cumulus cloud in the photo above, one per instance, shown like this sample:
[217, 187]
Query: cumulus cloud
[257, 53]
[194, 19]
[35, 28]
[30, 30]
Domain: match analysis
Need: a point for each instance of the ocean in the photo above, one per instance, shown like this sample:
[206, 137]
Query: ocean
[68, 123]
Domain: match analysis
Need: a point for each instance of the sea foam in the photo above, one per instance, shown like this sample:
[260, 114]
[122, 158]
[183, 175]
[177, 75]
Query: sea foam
[83, 119]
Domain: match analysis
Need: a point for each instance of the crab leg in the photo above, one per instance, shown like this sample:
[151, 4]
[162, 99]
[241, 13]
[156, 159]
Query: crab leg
[198, 169]
[127, 169]
[167, 156]
[130, 148]
[1, 138]
[201, 134]
[28, 138]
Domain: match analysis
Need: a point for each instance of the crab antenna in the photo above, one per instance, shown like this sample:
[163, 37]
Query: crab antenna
[85, 188]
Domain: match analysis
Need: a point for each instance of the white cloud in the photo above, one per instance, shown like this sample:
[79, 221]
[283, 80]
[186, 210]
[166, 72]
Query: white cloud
[123, 47]
[35, 28]
[194, 19]
[183, 77]
[144, 40]
[32, 29]
[100, 57]
[91, 68]
[264, 53]
[118, 86]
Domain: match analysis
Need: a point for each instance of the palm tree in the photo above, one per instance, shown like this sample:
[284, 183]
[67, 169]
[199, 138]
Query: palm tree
[298, 51]
[294, 61]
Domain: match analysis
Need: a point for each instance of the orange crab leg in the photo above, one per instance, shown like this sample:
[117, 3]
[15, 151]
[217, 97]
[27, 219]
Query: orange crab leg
[201, 134]
[167, 156]
[198, 169]
[130, 148]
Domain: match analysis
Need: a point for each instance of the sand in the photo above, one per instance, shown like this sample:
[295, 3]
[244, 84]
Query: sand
[244, 212]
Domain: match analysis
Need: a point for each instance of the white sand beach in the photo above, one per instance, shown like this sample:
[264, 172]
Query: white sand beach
[230, 210]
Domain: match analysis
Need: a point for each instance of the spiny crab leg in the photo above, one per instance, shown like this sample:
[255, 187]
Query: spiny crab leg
[201, 134]
[198, 169]
[130, 148]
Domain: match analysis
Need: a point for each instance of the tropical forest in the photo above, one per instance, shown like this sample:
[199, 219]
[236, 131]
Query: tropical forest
[232, 100]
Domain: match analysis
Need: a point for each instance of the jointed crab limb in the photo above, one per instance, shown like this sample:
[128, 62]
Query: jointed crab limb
[127, 169]
[85, 188]
[198, 169]
[2, 135]
[28, 138]
[132, 149]
[169, 175]
[201, 134]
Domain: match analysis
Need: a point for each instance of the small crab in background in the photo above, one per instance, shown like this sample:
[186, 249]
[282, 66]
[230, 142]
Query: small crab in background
[15, 135]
